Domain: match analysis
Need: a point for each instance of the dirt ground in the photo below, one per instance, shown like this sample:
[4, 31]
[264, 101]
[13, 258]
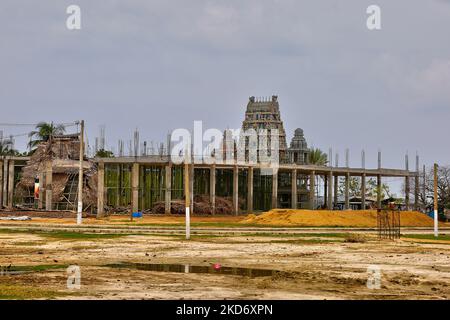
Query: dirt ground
[317, 266]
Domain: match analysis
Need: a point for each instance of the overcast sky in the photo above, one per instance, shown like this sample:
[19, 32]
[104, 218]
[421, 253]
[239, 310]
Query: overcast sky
[161, 64]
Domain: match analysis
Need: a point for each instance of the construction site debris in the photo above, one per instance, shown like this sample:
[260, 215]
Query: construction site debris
[22, 218]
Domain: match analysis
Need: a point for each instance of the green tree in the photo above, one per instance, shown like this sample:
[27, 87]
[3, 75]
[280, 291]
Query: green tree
[43, 133]
[102, 153]
[371, 188]
[317, 157]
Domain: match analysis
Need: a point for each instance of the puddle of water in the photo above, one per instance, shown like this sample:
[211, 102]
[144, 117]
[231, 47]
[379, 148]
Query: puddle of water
[12, 272]
[186, 268]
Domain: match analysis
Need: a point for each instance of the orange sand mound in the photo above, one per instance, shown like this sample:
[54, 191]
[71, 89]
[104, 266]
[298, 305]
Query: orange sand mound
[327, 218]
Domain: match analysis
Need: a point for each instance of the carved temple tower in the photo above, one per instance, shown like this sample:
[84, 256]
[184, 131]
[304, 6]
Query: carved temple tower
[265, 114]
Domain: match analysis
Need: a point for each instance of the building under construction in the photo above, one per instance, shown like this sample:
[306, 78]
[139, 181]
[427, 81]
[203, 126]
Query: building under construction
[152, 183]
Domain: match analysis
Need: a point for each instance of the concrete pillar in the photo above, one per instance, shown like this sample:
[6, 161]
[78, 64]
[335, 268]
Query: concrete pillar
[101, 190]
[168, 187]
[49, 185]
[1, 184]
[407, 186]
[312, 190]
[330, 191]
[274, 189]
[347, 191]
[363, 191]
[135, 187]
[250, 190]
[236, 190]
[379, 191]
[325, 189]
[416, 191]
[212, 188]
[407, 192]
[336, 189]
[41, 198]
[191, 186]
[5, 183]
[11, 184]
[294, 196]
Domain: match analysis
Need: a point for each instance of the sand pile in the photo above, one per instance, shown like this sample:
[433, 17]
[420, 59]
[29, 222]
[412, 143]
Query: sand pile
[326, 218]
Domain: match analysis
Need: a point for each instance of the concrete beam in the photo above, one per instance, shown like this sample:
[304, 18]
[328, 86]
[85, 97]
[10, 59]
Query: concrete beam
[294, 196]
[212, 188]
[135, 187]
[250, 190]
[168, 187]
[101, 190]
[49, 185]
[274, 189]
[312, 190]
[236, 190]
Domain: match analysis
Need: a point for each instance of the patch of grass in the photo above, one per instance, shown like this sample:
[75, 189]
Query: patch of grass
[427, 236]
[297, 235]
[12, 231]
[19, 292]
[66, 235]
[38, 268]
[28, 243]
[219, 225]
[80, 236]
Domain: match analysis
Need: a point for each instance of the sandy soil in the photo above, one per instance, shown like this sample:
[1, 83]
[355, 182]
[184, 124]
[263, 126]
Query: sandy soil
[319, 267]
[328, 218]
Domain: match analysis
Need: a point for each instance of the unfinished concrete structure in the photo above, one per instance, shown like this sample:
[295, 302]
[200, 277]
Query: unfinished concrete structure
[249, 190]
[48, 179]
[152, 183]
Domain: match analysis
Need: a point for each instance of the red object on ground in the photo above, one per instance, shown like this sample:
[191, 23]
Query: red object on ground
[217, 266]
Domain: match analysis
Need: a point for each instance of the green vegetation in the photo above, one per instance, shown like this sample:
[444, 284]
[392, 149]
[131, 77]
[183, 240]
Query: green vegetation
[427, 236]
[80, 236]
[64, 235]
[317, 157]
[102, 153]
[19, 292]
[37, 268]
[43, 133]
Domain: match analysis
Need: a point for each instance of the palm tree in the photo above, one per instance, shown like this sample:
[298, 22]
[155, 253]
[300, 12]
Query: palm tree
[317, 157]
[43, 133]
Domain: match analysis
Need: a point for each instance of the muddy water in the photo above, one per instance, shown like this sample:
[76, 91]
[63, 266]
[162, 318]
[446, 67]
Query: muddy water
[186, 268]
